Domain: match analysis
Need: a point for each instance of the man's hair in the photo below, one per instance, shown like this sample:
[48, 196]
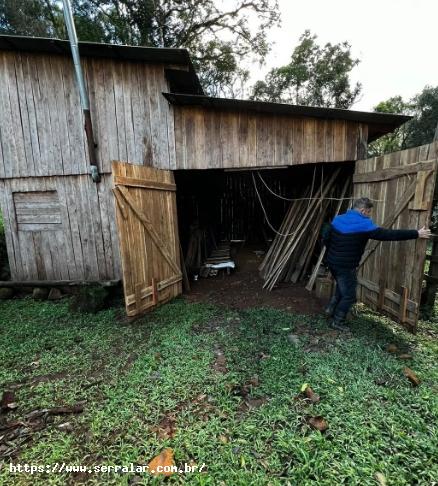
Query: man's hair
[362, 203]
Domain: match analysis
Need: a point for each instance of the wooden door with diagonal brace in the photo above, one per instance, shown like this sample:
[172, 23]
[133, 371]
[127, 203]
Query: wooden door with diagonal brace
[148, 235]
[402, 187]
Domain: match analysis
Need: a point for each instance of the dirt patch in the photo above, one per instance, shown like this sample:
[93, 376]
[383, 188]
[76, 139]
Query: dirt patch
[166, 429]
[244, 289]
[35, 380]
[220, 363]
[251, 403]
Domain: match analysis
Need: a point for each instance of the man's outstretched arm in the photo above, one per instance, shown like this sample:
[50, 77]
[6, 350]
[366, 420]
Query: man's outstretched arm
[383, 234]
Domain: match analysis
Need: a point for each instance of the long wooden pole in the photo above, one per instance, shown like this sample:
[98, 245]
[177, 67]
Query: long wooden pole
[312, 279]
[300, 231]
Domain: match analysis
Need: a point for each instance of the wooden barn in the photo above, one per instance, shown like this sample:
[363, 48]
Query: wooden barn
[176, 165]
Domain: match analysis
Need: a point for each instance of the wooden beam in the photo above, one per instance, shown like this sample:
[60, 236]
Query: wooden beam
[419, 203]
[132, 182]
[394, 172]
[403, 304]
[57, 283]
[411, 306]
[147, 291]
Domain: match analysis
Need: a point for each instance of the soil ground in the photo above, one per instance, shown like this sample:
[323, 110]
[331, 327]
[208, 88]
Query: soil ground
[243, 289]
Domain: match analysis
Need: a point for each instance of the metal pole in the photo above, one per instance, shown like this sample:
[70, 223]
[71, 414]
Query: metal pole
[85, 101]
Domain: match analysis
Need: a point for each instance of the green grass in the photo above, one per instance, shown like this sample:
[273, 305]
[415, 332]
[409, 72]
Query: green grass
[132, 375]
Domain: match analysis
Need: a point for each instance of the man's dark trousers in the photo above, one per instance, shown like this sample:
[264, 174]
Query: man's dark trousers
[345, 295]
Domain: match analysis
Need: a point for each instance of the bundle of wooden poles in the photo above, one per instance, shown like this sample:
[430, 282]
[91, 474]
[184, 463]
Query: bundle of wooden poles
[291, 253]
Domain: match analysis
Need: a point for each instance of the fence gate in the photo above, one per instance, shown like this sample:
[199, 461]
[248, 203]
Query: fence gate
[148, 235]
[402, 185]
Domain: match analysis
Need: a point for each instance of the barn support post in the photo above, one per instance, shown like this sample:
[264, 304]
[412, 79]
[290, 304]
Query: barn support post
[85, 102]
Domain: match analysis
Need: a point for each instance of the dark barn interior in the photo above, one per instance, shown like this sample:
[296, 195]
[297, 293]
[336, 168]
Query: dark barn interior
[235, 215]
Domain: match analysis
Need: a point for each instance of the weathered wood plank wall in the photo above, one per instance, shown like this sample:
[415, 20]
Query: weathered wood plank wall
[403, 184]
[43, 148]
[79, 245]
[41, 127]
[214, 139]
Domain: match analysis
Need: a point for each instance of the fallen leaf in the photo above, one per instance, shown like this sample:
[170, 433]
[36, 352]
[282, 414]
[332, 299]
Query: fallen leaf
[405, 356]
[304, 387]
[163, 460]
[254, 381]
[200, 397]
[392, 348]
[318, 423]
[166, 428]
[264, 356]
[311, 395]
[223, 439]
[380, 478]
[411, 376]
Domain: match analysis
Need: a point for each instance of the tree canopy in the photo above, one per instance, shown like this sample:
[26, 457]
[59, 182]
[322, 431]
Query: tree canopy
[418, 131]
[219, 35]
[316, 76]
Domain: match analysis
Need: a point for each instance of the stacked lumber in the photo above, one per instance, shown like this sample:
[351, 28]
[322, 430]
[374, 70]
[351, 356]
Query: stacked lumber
[292, 250]
[221, 254]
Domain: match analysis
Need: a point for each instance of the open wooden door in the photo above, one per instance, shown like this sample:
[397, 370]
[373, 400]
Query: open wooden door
[402, 186]
[148, 235]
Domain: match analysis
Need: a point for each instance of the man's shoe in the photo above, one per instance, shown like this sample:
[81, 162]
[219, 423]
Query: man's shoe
[338, 323]
[339, 326]
[329, 311]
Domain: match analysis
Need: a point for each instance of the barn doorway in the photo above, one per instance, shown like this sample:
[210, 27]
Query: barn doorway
[229, 219]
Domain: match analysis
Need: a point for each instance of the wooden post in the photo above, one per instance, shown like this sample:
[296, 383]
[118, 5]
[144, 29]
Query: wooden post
[381, 301]
[403, 304]
[154, 292]
[137, 293]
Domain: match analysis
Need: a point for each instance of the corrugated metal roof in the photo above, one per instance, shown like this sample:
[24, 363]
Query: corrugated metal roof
[379, 123]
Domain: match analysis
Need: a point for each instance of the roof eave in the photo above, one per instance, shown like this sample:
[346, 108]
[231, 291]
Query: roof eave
[379, 123]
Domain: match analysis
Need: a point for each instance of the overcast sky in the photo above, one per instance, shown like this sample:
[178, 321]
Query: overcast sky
[396, 41]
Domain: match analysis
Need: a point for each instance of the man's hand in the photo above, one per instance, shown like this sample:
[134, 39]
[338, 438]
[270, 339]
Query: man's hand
[424, 233]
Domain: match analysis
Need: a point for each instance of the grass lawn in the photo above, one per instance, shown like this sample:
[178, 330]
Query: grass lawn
[220, 388]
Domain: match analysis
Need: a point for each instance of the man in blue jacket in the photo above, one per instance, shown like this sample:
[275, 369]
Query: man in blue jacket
[345, 240]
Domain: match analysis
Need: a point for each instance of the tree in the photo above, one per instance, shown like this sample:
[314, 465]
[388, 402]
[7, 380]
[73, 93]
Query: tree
[421, 129]
[315, 76]
[418, 131]
[30, 18]
[397, 139]
[219, 39]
